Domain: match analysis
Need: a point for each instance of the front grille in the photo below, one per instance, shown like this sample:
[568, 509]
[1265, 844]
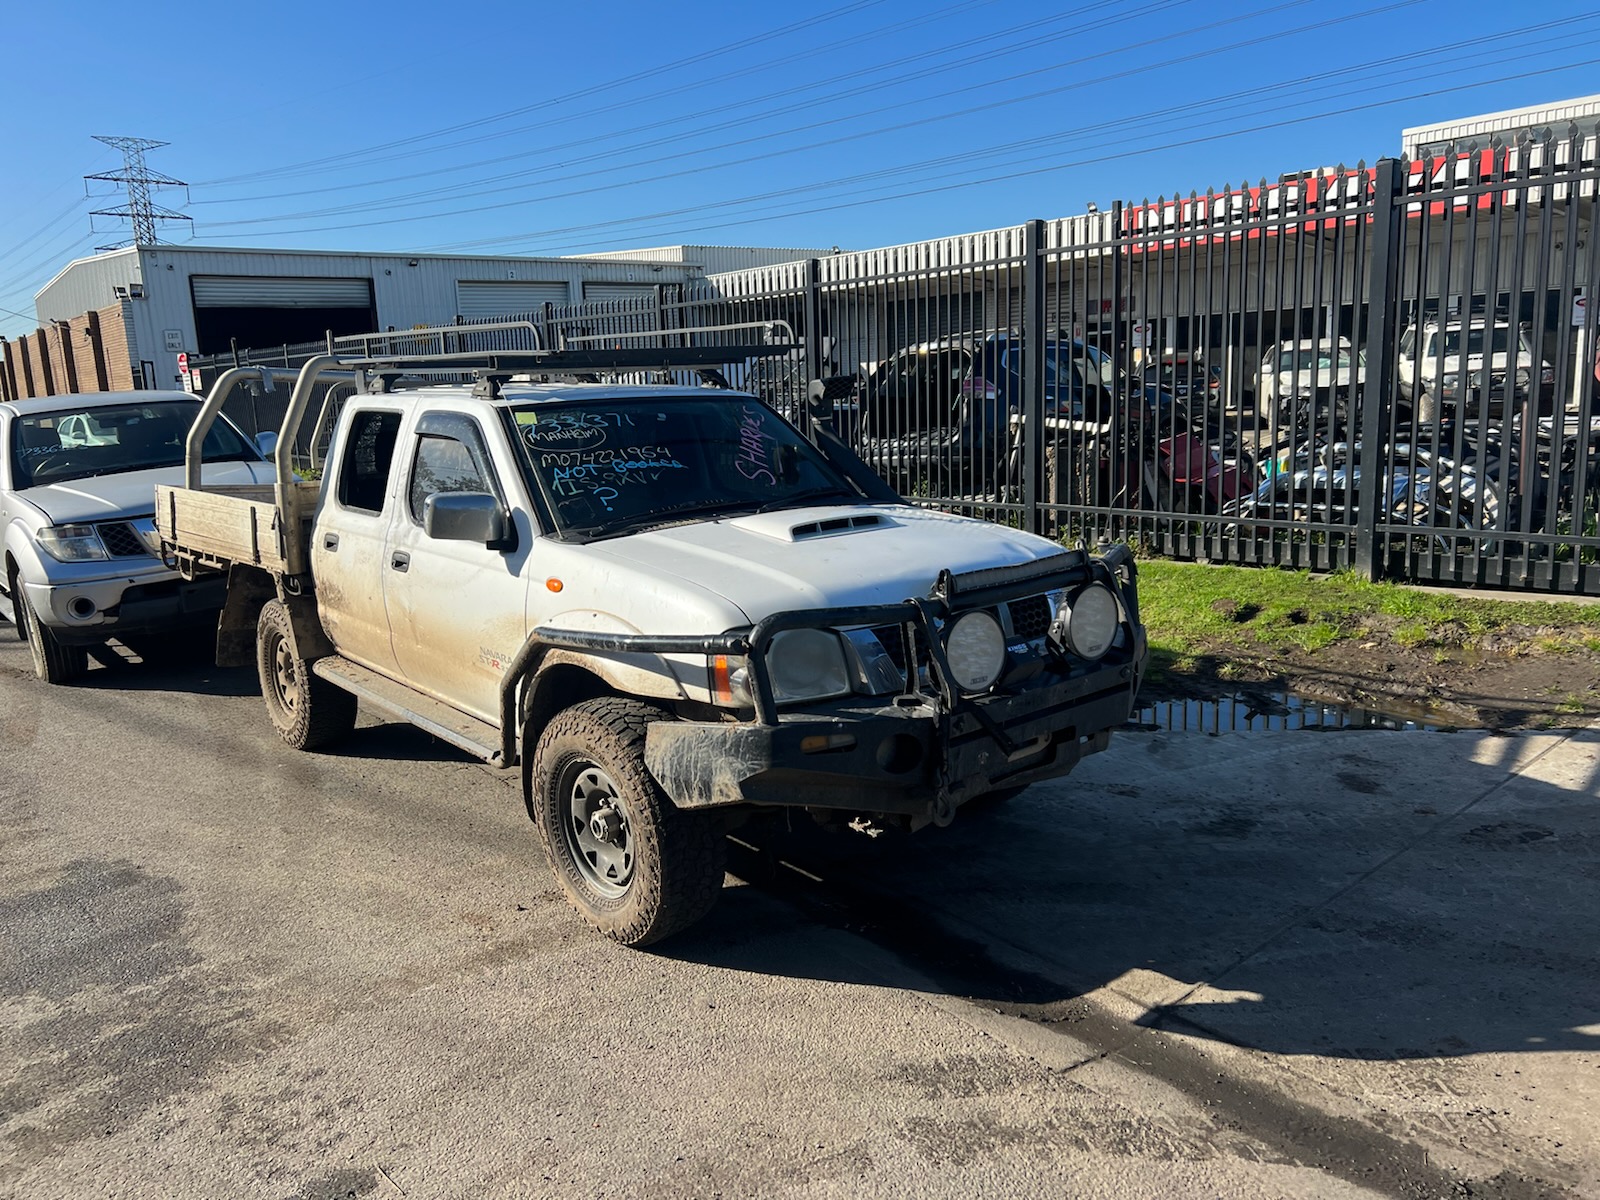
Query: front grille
[122, 540]
[894, 645]
[1030, 617]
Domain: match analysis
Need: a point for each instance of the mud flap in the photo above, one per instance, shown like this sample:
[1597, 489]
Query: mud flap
[248, 590]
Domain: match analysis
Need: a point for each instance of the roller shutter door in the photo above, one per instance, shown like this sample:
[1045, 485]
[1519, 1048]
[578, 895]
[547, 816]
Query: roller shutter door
[279, 291]
[478, 298]
[637, 292]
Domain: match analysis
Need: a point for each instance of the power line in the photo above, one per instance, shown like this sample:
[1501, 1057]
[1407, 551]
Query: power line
[1128, 152]
[831, 85]
[566, 97]
[72, 210]
[43, 266]
[392, 203]
[1138, 120]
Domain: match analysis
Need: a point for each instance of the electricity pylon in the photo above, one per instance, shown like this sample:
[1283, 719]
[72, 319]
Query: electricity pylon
[140, 210]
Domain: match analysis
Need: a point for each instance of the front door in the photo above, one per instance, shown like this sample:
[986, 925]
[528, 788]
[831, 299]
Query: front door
[457, 610]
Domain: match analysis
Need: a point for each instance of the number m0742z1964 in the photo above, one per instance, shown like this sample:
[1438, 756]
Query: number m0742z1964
[665, 604]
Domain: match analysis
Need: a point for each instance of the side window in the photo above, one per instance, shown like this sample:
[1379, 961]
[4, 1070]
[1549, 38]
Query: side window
[443, 464]
[368, 456]
[1406, 341]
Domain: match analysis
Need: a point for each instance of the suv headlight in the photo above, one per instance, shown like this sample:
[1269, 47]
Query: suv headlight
[71, 543]
[976, 649]
[873, 668]
[1087, 623]
[807, 664]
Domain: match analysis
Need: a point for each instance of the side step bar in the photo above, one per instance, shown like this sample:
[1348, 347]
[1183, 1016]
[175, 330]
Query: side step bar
[478, 738]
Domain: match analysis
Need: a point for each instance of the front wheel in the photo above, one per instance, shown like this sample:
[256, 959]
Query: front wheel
[307, 711]
[634, 866]
[52, 662]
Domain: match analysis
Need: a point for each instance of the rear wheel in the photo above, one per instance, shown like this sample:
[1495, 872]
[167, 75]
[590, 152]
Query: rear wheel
[307, 711]
[635, 866]
[52, 662]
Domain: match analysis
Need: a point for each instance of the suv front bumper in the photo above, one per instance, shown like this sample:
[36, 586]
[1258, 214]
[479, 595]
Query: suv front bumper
[85, 608]
[888, 758]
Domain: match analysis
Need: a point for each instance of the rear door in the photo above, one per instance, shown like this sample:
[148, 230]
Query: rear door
[349, 541]
[457, 610]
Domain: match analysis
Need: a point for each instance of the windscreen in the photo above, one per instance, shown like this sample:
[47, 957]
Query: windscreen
[75, 443]
[612, 467]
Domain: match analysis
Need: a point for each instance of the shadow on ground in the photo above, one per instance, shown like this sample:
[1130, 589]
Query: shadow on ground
[1317, 898]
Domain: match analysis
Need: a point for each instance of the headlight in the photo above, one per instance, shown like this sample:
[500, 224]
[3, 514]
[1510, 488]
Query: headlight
[1087, 624]
[807, 664]
[976, 649]
[874, 669]
[71, 543]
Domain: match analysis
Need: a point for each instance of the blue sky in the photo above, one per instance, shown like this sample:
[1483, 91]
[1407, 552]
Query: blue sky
[512, 128]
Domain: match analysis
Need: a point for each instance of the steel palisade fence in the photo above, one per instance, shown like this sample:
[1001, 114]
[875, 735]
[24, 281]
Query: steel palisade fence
[1389, 369]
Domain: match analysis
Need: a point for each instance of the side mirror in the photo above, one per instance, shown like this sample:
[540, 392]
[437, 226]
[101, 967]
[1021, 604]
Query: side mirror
[267, 443]
[465, 517]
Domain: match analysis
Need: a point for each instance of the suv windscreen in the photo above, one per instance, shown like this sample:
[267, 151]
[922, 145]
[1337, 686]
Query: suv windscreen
[1474, 340]
[1323, 358]
[75, 443]
[614, 466]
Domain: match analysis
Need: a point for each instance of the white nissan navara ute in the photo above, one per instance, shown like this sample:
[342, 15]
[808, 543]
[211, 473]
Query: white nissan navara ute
[77, 496]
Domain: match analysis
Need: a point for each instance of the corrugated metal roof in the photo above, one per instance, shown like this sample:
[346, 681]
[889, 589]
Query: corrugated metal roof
[1557, 114]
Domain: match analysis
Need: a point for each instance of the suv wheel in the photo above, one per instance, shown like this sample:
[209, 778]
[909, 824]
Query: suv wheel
[635, 866]
[52, 662]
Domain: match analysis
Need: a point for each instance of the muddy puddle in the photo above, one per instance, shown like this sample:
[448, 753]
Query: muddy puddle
[1285, 711]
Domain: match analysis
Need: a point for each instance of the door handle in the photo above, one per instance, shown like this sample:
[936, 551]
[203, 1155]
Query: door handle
[330, 541]
[400, 560]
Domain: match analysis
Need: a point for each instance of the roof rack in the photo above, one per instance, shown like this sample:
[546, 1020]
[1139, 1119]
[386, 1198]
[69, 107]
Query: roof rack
[502, 362]
[492, 368]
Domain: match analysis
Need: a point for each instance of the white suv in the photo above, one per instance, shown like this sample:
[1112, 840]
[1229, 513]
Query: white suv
[77, 499]
[1306, 377]
[1449, 367]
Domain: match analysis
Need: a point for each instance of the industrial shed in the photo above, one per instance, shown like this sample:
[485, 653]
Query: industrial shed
[201, 300]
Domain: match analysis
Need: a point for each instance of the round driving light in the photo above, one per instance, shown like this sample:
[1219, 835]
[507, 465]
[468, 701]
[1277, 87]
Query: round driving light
[976, 648]
[1091, 620]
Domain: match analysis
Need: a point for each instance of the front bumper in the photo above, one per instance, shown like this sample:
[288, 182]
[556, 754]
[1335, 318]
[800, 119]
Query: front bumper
[888, 758]
[919, 751]
[86, 611]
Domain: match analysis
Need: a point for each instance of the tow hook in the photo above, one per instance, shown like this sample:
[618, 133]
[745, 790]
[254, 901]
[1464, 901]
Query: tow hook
[944, 809]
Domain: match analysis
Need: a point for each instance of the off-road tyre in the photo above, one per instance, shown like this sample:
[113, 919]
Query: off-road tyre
[658, 869]
[307, 711]
[52, 662]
